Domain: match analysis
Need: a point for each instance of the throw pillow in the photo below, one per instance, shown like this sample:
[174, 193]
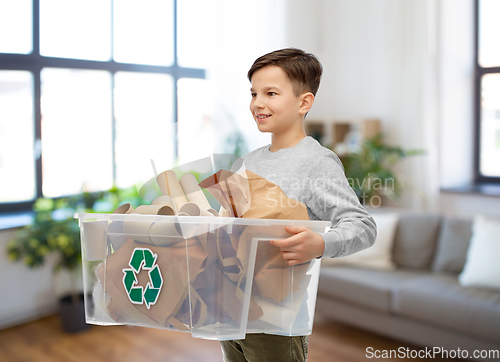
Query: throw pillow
[415, 239]
[378, 256]
[453, 243]
[482, 267]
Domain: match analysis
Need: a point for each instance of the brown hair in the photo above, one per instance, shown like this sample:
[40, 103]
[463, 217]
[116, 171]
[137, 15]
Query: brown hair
[303, 69]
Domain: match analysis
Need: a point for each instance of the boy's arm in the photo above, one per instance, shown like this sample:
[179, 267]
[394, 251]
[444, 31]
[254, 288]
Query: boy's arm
[332, 198]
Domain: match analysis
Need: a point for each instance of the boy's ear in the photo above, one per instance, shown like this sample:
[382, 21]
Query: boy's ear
[307, 102]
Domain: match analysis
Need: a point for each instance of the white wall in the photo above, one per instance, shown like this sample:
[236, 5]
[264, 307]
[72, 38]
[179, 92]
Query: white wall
[26, 294]
[377, 64]
[351, 39]
[456, 93]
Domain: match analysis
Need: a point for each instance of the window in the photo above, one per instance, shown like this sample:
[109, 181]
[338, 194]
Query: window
[88, 92]
[487, 94]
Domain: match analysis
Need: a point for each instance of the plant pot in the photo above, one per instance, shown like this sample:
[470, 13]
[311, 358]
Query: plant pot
[72, 314]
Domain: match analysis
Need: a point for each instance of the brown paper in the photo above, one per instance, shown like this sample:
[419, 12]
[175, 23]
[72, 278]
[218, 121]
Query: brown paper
[274, 279]
[251, 196]
[230, 189]
[219, 284]
[221, 296]
[172, 262]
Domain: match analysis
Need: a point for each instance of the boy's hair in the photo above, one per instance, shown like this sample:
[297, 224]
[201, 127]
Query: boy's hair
[303, 69]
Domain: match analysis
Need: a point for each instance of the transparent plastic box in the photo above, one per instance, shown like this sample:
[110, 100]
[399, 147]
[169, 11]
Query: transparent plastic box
[215, 277]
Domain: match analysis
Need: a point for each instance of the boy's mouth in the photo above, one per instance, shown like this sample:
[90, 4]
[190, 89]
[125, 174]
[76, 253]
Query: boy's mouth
[261, 117]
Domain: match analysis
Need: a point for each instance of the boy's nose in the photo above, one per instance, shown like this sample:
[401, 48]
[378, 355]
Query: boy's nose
[257, 102]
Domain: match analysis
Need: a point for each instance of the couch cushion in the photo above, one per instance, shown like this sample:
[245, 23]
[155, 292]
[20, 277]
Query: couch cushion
[415, 240]
[482, 268]
[379, 255]
[439, 299]
[452, 245]
[370, 288]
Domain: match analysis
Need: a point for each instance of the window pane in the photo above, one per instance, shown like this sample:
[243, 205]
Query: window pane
[196, 131]
[17, 167]
[75, 29]
[144, 128]
[143, 34]
[489, 32]
[16, 29]
[490, 126]
[76, 131]
[195, 32]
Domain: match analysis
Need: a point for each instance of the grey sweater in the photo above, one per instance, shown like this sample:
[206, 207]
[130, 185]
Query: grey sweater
[314, 175]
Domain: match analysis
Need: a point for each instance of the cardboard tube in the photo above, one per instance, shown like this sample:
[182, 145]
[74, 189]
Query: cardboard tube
[162, 182]
[164, 200]
[94, 233]
[193, 191]
[213, 212]
[124, 209]
[115, 234]
[193, 209]
[169, 185]
[165, 233]
[137, 230]
[154, 210]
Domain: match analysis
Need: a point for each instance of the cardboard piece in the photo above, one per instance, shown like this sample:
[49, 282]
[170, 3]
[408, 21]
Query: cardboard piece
[221, 282]
[164, 200]
[195, 194]
[137, 230]
[213, 296]
[95, 237]
[192, 209]
[114, 231]
[230, 189]
[174, 200]
[173, 265]
[154, 210]
[169, 185]
[165, 233]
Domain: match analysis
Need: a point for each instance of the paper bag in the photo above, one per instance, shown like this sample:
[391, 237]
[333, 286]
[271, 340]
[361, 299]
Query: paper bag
[230, 189]
[262, 199]
[251, 196]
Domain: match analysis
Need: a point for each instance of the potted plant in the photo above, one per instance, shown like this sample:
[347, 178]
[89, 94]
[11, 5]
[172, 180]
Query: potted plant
[369, 171]
[55, 231]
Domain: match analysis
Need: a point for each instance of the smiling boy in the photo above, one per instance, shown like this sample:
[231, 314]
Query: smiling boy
[284, 86]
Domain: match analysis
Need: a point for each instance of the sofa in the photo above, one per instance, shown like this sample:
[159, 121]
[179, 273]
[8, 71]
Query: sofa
[420, 300]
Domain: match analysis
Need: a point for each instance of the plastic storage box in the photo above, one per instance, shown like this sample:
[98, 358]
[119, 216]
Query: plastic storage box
[215, 277]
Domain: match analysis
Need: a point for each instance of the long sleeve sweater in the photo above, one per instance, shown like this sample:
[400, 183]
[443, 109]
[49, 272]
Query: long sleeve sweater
[314, 175]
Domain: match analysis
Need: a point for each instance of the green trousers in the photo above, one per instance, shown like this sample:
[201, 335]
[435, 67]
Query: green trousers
[260, 347]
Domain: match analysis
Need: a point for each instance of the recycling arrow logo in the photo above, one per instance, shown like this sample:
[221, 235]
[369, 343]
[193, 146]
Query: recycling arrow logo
[143, 258]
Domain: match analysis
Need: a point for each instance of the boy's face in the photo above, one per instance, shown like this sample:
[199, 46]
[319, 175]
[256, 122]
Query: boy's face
[274, 106]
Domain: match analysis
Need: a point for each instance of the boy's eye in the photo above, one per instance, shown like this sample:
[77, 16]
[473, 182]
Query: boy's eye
[253, 95]
[271, 93]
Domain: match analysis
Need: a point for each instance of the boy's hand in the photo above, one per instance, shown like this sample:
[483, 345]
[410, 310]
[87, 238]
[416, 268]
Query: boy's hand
[302, 247]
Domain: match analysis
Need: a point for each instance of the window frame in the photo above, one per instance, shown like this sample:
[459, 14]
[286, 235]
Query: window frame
[34, 63]
[479, 72]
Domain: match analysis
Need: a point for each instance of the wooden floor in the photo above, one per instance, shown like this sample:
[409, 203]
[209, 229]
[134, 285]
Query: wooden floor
[43, 340]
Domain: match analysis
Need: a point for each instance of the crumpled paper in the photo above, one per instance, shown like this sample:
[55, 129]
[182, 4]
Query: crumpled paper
[248, 195]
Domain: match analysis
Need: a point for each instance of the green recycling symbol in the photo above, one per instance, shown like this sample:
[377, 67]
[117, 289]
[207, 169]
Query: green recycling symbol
[143, 258]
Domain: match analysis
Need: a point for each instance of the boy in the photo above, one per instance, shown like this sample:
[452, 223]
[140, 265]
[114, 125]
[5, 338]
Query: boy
[284, 84]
